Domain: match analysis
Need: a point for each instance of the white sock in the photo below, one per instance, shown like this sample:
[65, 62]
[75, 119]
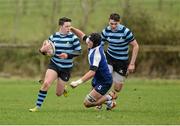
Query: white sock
[109, 103]
[108, 97]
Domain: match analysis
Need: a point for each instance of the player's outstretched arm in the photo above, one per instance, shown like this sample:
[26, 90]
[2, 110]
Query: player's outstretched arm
[86, 77]
[78, 32]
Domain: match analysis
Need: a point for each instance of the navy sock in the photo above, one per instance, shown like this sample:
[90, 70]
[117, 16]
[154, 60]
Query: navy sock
[41, 97]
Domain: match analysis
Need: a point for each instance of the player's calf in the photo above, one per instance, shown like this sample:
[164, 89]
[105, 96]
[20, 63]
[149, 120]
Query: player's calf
[113, 94]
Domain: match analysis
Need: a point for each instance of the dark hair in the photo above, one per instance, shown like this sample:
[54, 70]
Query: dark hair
[95, 38]
[64, 19]
[115, 17]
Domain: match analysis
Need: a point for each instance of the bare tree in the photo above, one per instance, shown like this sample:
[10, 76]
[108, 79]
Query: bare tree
[160, 4]
[126, 11]
[24, 7]
[172, 3]
[53, 15]
[17, 15]
[88, 7]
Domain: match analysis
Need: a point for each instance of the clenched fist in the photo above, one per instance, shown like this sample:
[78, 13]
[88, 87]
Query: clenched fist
[74, 84]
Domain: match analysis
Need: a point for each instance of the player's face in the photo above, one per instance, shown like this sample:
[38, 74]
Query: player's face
[113, 24]
[65, 28]
[89, 43]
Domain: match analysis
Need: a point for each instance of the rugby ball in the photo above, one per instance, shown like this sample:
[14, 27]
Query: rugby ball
[51, 50]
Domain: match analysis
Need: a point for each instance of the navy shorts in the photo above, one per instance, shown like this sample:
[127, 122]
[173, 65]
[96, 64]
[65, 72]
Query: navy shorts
[102, 88]
[119, 66]
[64, 74]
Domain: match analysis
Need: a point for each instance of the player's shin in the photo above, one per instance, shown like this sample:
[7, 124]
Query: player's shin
[41, 96]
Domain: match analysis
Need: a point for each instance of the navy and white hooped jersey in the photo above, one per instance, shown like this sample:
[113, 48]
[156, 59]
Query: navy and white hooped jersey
[118, 41]
[65, 44]
[96, 58]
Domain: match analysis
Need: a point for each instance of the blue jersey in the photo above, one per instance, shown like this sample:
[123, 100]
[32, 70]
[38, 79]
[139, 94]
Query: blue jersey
[64, 44]
[97, 59]
[118, 41]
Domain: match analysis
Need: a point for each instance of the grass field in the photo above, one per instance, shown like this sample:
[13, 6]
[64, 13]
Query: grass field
[142, 101]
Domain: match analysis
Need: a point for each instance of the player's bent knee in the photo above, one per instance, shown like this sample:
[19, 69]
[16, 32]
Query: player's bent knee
[45, 85]
[86, 104]
[117, 90]
[118, 81]
[118, 87]
[58, 94]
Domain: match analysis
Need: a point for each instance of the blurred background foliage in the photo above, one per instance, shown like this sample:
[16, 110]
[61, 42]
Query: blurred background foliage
[155, 24]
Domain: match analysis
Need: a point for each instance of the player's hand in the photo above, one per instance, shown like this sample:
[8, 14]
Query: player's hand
[63, 56]
[47, 48]
[74, 84]
[131, 68]
[71, 28]
[44, 47]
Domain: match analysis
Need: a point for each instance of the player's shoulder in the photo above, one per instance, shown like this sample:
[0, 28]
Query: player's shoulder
[55, 34]
[72, 35]
[107, 28]
[123, 27]
[99, 49]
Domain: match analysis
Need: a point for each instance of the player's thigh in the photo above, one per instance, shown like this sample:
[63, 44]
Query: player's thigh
[96, 95]
[50, 76]
[118, 78]
[118, 81]
[92, 97]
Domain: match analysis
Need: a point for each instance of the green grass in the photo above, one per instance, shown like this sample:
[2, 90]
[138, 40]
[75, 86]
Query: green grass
[141, 101]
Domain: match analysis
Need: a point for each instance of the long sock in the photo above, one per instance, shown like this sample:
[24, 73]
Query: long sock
[109, 103]
[41, 97]
[109, 97]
